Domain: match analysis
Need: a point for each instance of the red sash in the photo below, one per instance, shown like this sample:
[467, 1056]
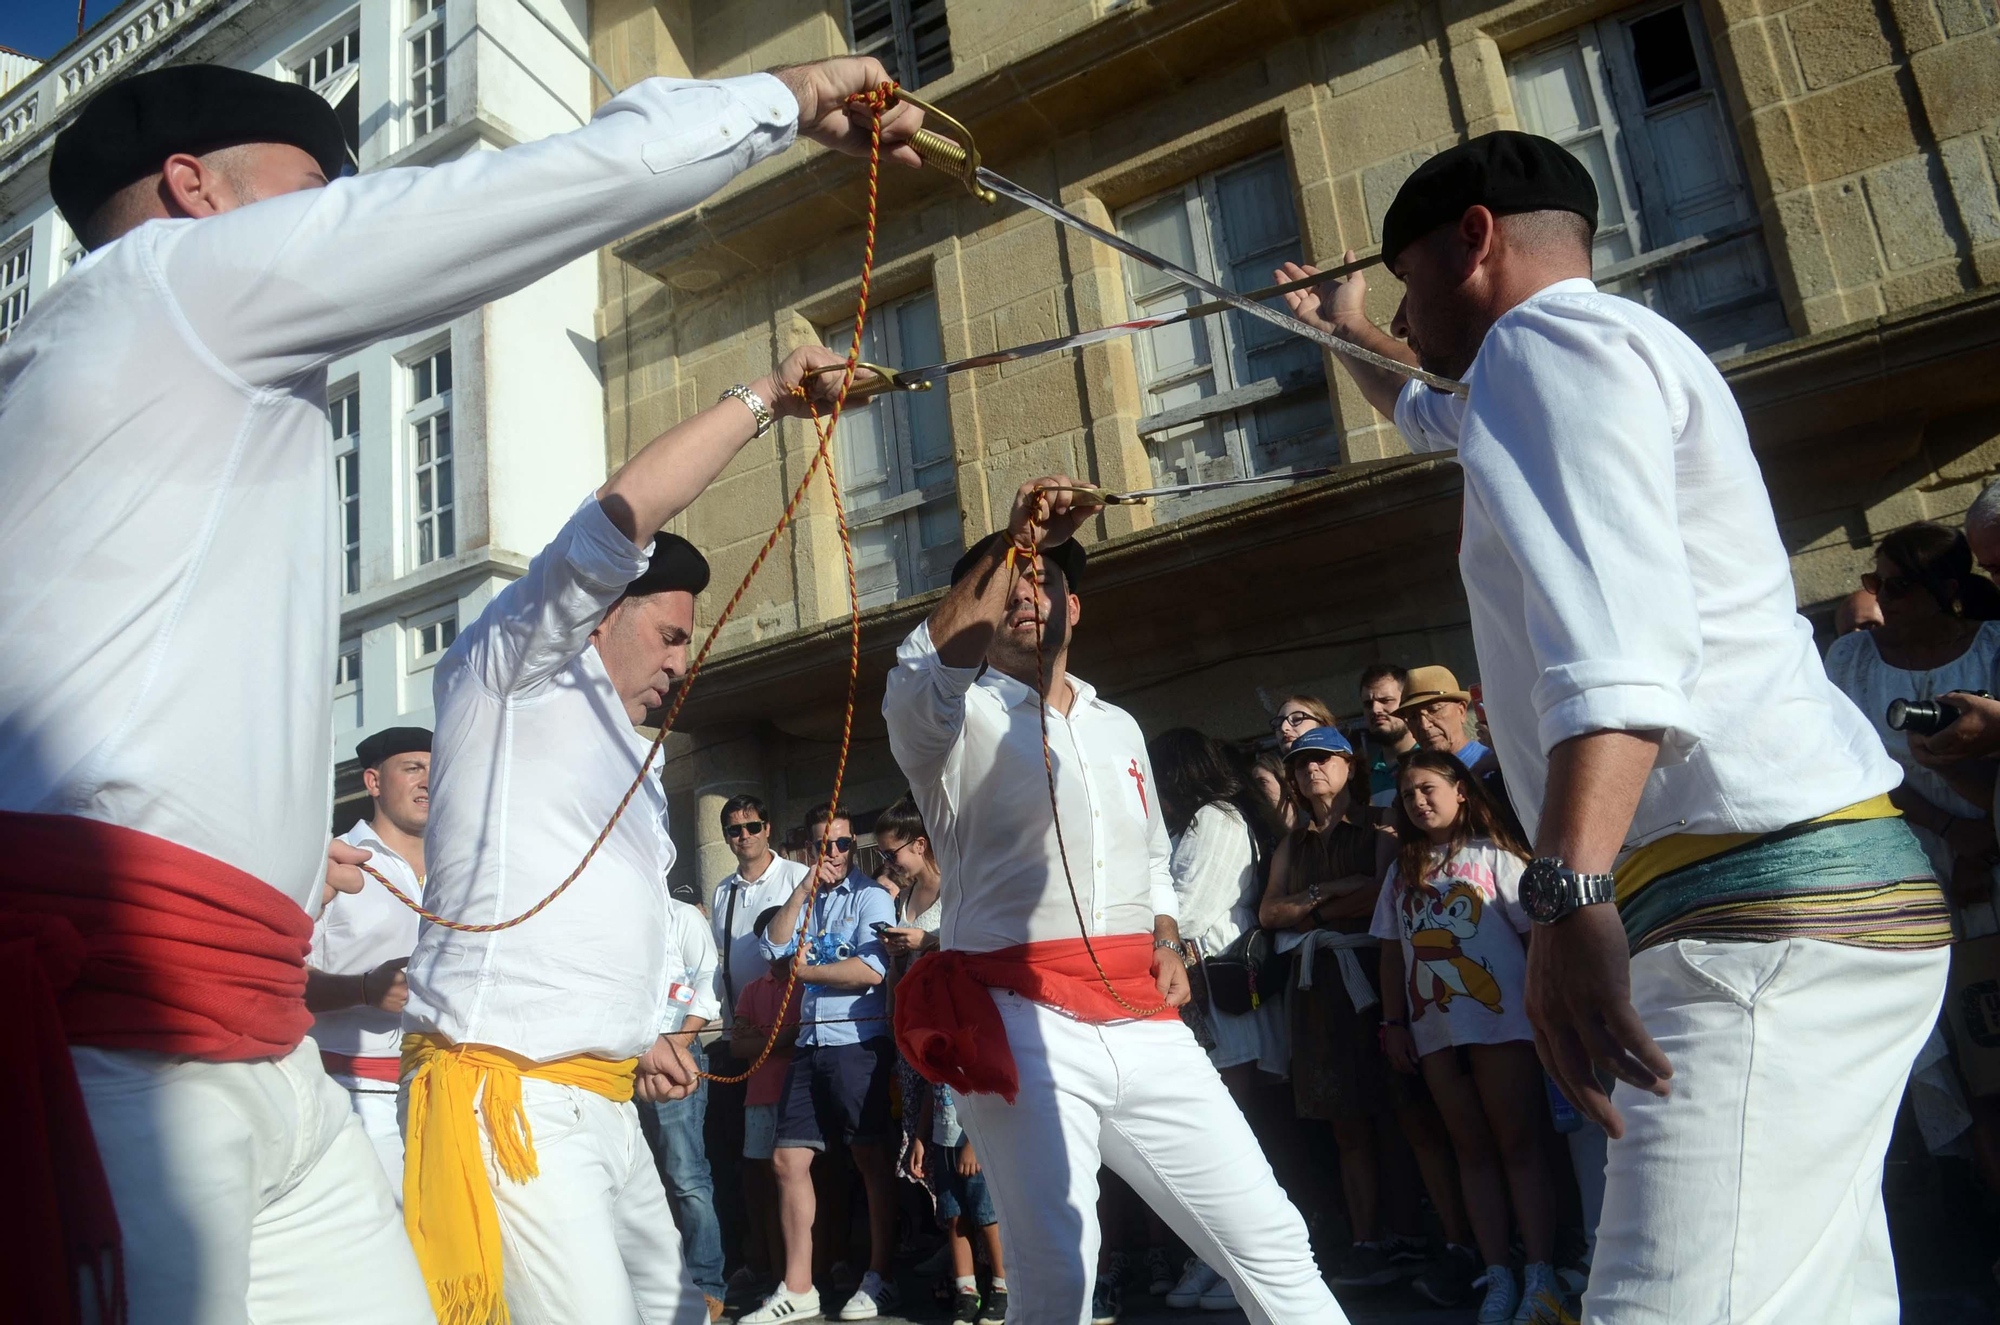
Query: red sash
[116, 939]
[949, 1028]
[367, 1069]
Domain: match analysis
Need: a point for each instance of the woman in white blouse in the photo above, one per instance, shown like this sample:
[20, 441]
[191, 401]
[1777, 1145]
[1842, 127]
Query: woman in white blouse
[1939, 633]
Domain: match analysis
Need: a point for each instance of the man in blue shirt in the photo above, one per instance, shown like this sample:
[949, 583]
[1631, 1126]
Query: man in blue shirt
[840, 1072]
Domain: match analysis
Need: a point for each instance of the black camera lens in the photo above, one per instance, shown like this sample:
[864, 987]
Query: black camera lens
[1925, 717]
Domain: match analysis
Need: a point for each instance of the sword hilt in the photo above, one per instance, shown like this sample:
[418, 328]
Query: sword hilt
[958, 156]
[878, 380]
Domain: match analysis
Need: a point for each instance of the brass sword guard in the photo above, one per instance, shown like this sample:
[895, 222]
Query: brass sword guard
[957, 157]
[880, 382]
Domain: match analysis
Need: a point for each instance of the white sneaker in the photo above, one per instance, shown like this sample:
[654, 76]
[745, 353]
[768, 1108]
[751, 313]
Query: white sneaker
[1541, 1294]
[871, 1298]
[1195, 1280]
[1497, 1307]
[785, 1305]
[1219, 1297]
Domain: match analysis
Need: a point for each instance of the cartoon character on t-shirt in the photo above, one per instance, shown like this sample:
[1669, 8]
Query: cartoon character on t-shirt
[1438, 925]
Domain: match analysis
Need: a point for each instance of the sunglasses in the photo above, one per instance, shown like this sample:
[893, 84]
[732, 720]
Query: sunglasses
[841, 845]
[1890, 586]
[748, 828]
[1296, 718]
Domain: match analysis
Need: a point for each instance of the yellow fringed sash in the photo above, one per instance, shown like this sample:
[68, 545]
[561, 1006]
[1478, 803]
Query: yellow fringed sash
[447, 1200]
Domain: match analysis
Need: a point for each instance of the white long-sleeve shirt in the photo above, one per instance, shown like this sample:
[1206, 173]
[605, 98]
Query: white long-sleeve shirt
[531, 755]
[1214, 866]
[168, 612]
[733, 912]
[1625, 573]
[356, 933]
[969, 741]
[691, 975]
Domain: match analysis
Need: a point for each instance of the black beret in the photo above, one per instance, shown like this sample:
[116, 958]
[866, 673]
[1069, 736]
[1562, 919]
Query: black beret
[1068, 557]
[128, 129]
[390, 742]
[1503, 172]
[676, 564]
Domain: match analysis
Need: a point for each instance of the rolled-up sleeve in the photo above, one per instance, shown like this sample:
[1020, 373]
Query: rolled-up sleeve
[924, 705]
[536, 625]
[1429, 419]
[1577, 481]
[699, 956]
[875, 907]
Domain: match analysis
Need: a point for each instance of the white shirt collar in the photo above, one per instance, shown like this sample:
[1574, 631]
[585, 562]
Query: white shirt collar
[1016, 693]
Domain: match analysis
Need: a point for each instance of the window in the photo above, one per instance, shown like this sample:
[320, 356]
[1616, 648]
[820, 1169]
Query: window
[14, 264]
[428, 423]
[896, 465]
[1635, 98]
[424, 39]
[909, 37]
[334, 71]
[429, 640]
[1227, 396]
[344, 412]
[347, 686]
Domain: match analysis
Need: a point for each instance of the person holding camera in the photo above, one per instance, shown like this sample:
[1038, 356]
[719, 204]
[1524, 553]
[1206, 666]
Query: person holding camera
[1940, 633]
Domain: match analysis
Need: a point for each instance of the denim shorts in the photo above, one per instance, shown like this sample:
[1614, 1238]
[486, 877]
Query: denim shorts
[837, 1090]
[760, 1130]
[958, 1194]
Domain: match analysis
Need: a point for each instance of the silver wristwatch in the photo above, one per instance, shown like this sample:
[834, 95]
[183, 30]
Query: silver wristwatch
[1176, 947]
[756, 405]
[1550, 890]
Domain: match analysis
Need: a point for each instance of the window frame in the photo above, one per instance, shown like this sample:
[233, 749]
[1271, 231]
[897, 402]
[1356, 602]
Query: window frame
[1231, 406]
[917, 570]
[346, 400]
[415, 414]
[17, 275]
[434, 112]
[896, 48]
[414, 627]
[1656, 272]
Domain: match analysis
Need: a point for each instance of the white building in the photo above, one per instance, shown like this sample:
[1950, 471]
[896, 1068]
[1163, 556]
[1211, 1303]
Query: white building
[460, 450]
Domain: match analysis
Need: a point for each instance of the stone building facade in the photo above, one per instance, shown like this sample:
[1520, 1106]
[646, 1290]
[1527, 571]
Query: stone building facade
[1808, 188]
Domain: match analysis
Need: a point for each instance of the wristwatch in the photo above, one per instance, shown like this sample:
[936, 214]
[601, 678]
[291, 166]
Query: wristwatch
[1176, 947]
[1313, 894]
[1550, 890]
[759, 411]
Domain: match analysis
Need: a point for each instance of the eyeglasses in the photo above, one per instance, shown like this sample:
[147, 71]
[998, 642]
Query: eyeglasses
[1887, 586]
[1296, 718]
[842, 845]
[748, 828]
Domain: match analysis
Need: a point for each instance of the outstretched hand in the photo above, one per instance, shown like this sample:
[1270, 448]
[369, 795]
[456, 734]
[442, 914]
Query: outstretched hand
[1045, 514]
[822, 89]
[1332, 306]
[780, 389]
[1580, 1003]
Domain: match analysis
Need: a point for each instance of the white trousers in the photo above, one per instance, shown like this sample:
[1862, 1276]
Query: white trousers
[1142, 1098]
[590, 1240]
[246, 1192]
[1752, 1195]
[374, 1103]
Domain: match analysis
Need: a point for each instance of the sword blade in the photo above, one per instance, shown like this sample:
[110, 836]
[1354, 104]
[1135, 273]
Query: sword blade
[1213, 485]
[1284, 321]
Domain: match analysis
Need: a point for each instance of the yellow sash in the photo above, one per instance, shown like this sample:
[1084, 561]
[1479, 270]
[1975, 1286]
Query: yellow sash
[447, 1200]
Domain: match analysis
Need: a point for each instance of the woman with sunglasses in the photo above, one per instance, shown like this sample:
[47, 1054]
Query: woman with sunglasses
[1296, 716]
[1940, 632]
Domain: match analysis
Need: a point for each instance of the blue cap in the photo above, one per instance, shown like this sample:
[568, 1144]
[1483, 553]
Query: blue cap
[1320, 738]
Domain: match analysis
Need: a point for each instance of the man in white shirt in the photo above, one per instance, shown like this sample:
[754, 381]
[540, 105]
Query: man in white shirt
[164, 483]
[1066, 1051]
[557, 1018]
[361, 942]
[1729, 919]
[674, 1128]
[762, 879]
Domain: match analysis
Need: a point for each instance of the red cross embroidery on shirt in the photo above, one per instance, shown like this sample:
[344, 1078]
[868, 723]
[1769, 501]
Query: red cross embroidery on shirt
[1139, 780]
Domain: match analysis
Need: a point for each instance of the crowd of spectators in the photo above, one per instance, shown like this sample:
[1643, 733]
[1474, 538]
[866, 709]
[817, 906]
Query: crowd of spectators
[1351, 885]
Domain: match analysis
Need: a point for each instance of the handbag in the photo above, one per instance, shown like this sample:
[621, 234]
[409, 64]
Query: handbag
[1246, 972]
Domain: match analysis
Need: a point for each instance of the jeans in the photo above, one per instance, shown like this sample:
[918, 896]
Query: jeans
[675, 1132]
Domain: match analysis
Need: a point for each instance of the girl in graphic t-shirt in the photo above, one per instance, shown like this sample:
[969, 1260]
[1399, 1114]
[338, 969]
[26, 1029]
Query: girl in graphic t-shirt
[1454, 977]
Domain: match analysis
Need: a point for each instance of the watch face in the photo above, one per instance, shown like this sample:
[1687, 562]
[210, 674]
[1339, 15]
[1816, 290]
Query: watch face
[1543, 896]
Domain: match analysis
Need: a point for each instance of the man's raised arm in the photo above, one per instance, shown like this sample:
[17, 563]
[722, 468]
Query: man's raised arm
[284, 286]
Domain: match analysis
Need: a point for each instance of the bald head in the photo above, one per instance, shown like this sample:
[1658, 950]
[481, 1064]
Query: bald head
[1858, 611]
